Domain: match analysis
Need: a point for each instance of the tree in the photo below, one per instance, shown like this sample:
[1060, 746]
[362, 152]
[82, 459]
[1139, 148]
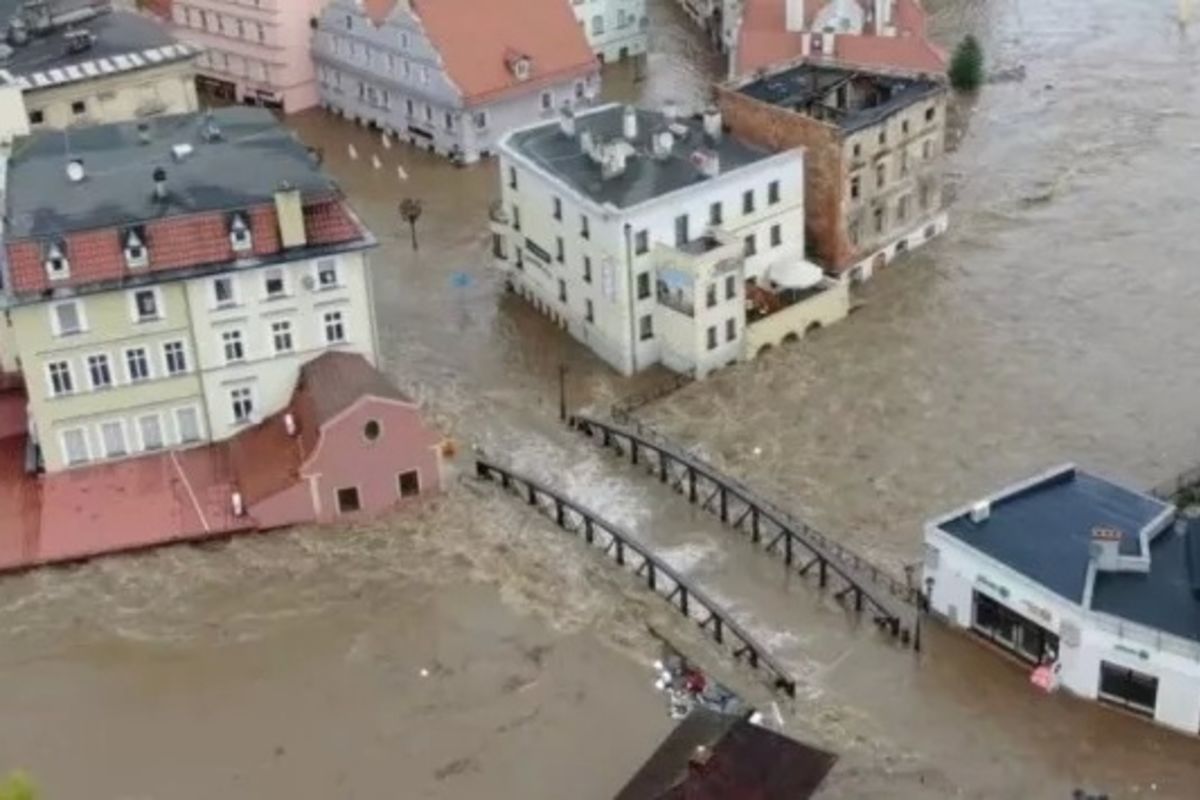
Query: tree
[18, 786]
[410, 211]
[966, 67]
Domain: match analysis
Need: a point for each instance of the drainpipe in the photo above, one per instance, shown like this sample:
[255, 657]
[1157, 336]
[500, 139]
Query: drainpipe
[631, 290]
[195, 353]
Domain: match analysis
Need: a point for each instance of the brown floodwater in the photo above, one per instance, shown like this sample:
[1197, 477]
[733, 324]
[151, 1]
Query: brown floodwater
[1050, 324]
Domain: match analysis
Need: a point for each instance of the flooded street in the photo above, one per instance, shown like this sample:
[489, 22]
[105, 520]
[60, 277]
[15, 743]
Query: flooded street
[1050, 324]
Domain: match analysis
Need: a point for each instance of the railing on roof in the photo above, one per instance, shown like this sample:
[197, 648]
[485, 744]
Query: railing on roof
[1149, 637]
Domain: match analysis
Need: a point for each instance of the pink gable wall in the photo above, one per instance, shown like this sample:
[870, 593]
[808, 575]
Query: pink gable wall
[344, 457]
[292, 506]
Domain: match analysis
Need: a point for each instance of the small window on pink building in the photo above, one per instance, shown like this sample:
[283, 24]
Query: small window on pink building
[410, 483]
[347, 500]
[372, 430]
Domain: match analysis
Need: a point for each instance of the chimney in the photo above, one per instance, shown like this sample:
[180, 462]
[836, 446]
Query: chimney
[630, 126]
[566, 122]
[160, 183]
[290, 213]
[1105, 549]
[615, 156]
[713, 123]
[794, 20]
[708, 162]
[662, 143]
[670, 111]
[587, 144]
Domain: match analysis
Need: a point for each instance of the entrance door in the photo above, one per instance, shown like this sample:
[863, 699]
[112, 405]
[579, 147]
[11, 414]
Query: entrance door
[1128, 688]
[1015, 633]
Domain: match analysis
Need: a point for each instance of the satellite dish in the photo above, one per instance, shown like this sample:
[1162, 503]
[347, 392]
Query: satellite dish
[75, 171]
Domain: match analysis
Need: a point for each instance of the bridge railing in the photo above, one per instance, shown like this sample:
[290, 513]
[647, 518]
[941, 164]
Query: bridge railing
[659, 576]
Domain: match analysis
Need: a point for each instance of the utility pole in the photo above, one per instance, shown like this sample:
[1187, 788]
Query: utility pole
[410, 211]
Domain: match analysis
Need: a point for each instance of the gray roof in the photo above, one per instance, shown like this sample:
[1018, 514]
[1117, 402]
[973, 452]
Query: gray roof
[252, 157]
[1044, 530]
[810, 89]
[645, 176]
[124, 41]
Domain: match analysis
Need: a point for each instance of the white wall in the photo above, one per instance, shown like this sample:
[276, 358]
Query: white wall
[14, 121]
[615, 39]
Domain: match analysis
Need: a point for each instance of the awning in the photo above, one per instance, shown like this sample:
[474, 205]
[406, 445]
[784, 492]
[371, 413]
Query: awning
[795, 274]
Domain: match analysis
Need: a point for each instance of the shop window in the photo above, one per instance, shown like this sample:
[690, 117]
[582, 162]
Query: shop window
[409, 483]
[347, 500]
[1128, 688]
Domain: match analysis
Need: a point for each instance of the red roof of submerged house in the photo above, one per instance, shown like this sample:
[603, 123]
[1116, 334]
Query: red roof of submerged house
[764, 39]
[478, 40]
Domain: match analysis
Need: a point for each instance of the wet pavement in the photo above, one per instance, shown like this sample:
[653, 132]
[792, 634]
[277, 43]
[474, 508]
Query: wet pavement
[1050, 324]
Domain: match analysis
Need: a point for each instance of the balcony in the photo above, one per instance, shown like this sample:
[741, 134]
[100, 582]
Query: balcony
[791, 303]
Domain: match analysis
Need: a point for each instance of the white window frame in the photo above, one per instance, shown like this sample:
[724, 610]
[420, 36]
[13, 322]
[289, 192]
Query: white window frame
[283, 280]
[87, 368]
[121, 426]
[141, 438]
[251, 396]
[87, 446]
[240, 336]
[234, 293]
[273, 334]
[138, 260]
[80, 313]
[179, 427]
[420, 484]
[70, 377]
[166, 361]
[55, 253]
[159, 311]
[332, 263]
[241, 238]
[341, 324]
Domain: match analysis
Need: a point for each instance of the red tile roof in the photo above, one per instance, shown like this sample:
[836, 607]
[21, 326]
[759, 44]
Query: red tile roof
[176, 243]
[475, 40]
[764, 40]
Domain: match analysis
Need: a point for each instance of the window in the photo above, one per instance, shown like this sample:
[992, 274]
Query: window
[584, 228]
[643, 285]
[597, 24]
[558, 209]
[281, 336]
[855, 187]
[562, 291]
[273, 284]
[857, 149]
[681, 230]
[924, 196]
[78, 108]
[589, 312]
[712, 337]
[587, 269]
[512, 178]
[902, 209]
[749, 246]
[327, 273]
[57, 264]
[641, 242]
[242, 402]
[347, 500]
[710, 296]
[150, 429]
[67, 319]
[929, 114]
[904, 127]
[175, 358]
[335, 331]
[75, 446]
[714, 214]
[776, 235]
[579, 90]
[223, 292]
[187, 423]
[730, 329]
[748, 201]
[772, 193]
[730, 287]
[409, 106]
[927, 149]
[560, 253]
[60, 378]
[481, 119]
[547, 101]
[372, 430]
[1134, 690]
[883, 137]
[137, 365]
[880, 174]
[99, 371]
[449, 121]
[855, 232]
[903, 162]
[135, 251]
[145, 305]
[112, 436]
[37, 117]
[235, 349]
[879, 220]
[239, 234]
[410, 483]
[646, 327]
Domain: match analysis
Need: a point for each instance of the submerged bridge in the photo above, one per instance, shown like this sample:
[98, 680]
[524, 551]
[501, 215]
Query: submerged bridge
[855, 581]
[659, 577]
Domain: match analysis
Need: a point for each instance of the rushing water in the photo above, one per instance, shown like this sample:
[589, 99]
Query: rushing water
[1050, 324]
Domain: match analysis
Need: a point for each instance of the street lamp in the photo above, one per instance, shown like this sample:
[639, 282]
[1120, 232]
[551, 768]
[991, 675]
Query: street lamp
[410, 212]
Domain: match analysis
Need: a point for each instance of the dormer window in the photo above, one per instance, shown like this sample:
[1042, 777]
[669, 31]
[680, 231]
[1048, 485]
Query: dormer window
[57, 265]
[239, 234]
[135, 250]
[519, 64]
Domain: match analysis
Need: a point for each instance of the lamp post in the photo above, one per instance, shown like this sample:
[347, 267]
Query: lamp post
[410, 212]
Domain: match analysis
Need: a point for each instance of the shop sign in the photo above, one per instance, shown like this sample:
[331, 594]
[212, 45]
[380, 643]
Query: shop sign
[988, 583]
[1038, 612]
[1132, 651]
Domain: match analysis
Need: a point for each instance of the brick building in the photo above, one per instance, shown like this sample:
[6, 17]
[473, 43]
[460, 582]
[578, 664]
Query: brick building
[874, 143]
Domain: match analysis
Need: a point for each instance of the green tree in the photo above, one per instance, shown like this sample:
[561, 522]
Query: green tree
[966, 66]
[18, 786]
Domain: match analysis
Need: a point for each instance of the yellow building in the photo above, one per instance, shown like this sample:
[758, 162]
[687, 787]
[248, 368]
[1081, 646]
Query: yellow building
[91, 65]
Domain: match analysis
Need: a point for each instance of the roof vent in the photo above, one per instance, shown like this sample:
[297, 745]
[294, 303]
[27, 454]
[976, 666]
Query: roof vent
[143, 132]
[181, 151]
[1105, 547]
[708, 162]
[75, 171]
[629, 124]
[160, 183]
[211, 132]
[566, 122]
[662, 143]
[670, 111]
[981, 511]
[519, 64]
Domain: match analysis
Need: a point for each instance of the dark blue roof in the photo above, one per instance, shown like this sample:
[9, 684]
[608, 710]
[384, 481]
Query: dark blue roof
[1043, 530]
[1164, 598]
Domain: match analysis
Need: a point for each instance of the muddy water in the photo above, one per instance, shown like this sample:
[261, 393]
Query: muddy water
[1049, 325]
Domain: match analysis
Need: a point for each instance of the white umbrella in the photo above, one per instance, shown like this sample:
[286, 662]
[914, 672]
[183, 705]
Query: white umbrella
[795, 274]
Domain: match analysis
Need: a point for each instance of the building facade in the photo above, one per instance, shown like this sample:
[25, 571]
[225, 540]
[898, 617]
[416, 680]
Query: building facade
[452, 76]
[719, 19]
[1095, 586]
[180, 283]
[615, 29]
[875, 145]
[253, 52]
[656, 238]
[89, 65]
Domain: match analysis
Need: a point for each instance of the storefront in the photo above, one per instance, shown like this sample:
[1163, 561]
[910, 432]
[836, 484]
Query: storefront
[1128, 688]
[1015, 633]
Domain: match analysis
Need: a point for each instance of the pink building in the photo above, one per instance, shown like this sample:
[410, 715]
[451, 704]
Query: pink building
[255, 51]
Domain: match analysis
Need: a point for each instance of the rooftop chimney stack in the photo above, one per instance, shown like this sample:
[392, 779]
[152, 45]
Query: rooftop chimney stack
[708, 162]
[1105, 549]
[662, 143]
[290, 213]
[713, 123]
[630, 127]
[566, 122]
[160, 183]
[670, 111]
[587, 144]
[794, 19]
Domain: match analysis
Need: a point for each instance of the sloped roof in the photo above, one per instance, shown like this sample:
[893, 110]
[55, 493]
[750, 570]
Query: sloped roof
[476, 39]
[333, 381]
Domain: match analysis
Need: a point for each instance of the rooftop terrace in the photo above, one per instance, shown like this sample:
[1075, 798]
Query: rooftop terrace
[848, 98]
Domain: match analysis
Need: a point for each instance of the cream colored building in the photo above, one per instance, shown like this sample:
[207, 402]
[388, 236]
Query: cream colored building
[75, 68]
[146, 321]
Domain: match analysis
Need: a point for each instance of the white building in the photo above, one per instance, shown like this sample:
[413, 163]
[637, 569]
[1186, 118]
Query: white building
[1097, 583]
[656, 238]
[615, 29]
